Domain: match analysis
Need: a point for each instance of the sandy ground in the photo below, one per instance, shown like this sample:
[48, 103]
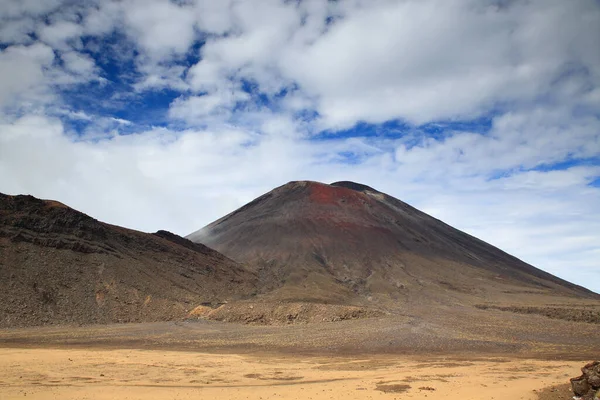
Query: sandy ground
[156, 374]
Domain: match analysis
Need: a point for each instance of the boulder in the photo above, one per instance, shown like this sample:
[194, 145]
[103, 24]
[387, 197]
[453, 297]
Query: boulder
[587, 386]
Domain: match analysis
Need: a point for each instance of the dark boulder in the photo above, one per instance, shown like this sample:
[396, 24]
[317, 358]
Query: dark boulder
[587, 386]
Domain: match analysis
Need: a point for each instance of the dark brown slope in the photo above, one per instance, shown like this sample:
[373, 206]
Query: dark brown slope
[348, 243]
[58, 266]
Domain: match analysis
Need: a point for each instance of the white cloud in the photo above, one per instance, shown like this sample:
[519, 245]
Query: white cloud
[197, 109]
[19, 8]
[161, 28]
[73, 115]
[518, 140]
[430, 60]
[17, 31]
[58, 34]
[121, 121]
[214, 17]
[22, 69]
[158, 76]
[79, 63]
[103, 18]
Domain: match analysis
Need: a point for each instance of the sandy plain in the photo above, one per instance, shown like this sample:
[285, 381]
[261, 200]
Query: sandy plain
[460, 353]
[47, 373]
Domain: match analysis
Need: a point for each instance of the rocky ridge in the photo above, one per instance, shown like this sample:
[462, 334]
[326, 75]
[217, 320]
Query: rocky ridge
[60, 266]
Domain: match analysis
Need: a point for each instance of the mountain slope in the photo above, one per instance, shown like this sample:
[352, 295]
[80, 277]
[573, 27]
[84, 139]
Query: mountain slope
[350, 244]
[58, 266]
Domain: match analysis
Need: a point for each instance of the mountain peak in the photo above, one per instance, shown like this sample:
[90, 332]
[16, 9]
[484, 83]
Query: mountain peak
[359, 187]
[338, 192]
[347, 242]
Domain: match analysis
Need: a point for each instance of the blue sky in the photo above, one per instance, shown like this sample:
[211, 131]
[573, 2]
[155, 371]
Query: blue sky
[161, 114]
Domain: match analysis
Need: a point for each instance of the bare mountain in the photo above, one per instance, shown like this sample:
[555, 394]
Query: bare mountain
[347, 243]
[59, 266]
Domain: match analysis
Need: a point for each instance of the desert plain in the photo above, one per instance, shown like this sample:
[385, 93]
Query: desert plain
[481, 354]
[158, 374]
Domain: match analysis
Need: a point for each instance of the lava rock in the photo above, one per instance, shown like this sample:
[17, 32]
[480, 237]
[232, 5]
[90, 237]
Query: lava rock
[586, 386]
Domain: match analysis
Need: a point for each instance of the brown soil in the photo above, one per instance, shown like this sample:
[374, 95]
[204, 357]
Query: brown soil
[557, 392]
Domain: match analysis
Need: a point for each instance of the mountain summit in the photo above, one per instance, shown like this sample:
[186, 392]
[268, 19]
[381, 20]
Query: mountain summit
[348, 243]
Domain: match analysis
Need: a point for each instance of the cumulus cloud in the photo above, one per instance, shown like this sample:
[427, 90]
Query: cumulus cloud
[19, 8]
[197, 109]
[160, 28]
[482, 113]
[23, 73]
[58, 34]
[79, 64]
[517, 142]
[434, 60]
